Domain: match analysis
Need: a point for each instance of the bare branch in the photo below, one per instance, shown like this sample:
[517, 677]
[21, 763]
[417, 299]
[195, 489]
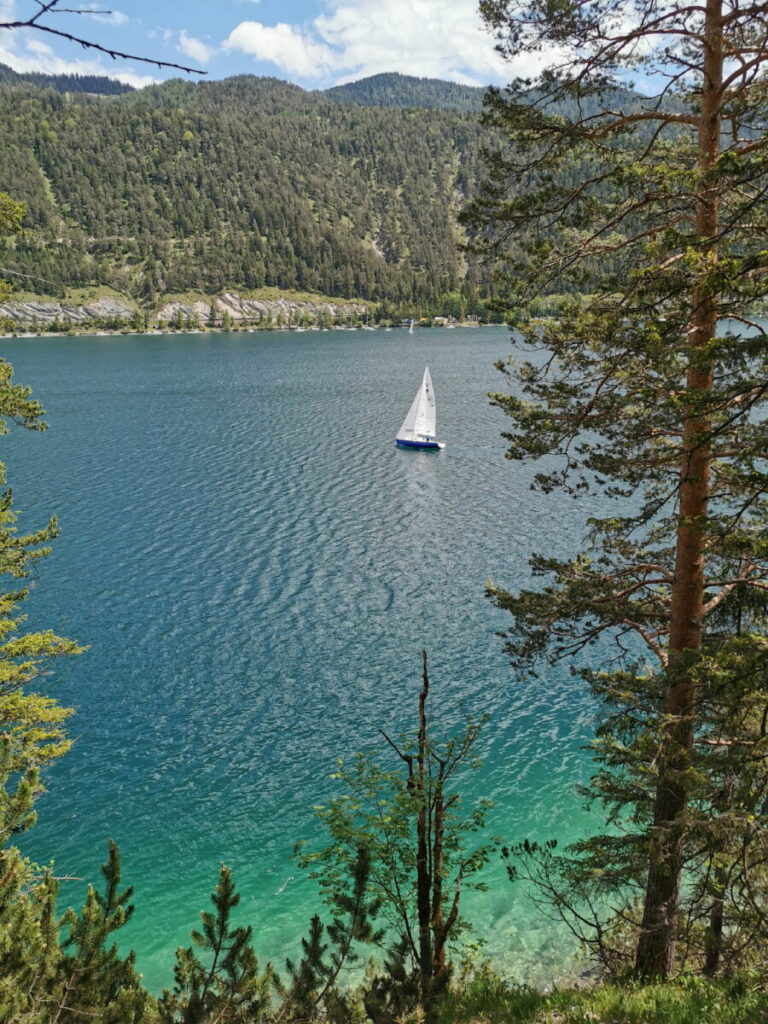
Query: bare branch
[51, 7]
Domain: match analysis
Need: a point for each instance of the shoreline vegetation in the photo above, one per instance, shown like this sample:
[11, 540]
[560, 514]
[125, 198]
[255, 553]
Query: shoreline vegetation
[98, 330]
[103, 311]
[106, 311]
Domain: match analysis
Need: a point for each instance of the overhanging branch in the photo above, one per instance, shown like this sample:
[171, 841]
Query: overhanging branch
[51, 8]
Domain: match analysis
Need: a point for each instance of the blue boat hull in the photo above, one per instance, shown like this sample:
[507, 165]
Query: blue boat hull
[432, 445]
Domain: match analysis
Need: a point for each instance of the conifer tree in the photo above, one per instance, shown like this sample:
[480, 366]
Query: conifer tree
[315, 984]
[93, 979]
[656, 207]
[31, 727]
[394, 991]
[222, 982]
[310, 976]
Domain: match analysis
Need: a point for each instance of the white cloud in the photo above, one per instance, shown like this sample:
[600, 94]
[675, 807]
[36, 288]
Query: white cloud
[355, 38]
[38, 46]
[288, 48]
[23, 51]
[166, 34]
[99, 13]
[128, 77]
[196, 49]
[429, 38]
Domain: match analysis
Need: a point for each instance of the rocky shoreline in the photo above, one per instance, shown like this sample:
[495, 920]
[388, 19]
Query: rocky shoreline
[228, 308]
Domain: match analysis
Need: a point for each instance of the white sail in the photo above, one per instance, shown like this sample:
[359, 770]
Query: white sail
[421, 420]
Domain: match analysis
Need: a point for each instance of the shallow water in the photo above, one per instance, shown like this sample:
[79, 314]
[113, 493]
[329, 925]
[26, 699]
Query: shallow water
[256, 569]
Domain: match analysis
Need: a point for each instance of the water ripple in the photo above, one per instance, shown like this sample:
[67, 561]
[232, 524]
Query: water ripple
[256, 568]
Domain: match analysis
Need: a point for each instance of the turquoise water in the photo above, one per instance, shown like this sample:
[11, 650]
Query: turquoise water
[256, 568]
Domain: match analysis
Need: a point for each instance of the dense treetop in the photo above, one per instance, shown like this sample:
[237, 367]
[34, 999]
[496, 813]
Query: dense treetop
[243, 183]
[246, 183]
[96, 84]
[396, 90]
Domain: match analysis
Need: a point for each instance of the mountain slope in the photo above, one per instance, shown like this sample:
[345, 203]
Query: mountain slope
[244, 184]
[238, 184]
[94, 84]
[396, 90]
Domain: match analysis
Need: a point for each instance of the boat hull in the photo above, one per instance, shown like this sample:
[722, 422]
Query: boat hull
[423, 445]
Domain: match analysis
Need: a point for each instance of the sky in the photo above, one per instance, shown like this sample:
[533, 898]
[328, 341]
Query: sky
[314, 43]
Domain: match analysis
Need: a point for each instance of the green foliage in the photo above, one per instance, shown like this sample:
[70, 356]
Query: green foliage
[309, 977]
[11, 214]
[412, 826]
[42, 978]
[300, 193]
[31, 724]
[379, 812]
[222, 982]
[91, 84]
[29, 946]
[93, 979]
[393, 990]
[31, 732]
[315, 981]
[396, 90]
[643, 394]
[354, 913]
[486, 997]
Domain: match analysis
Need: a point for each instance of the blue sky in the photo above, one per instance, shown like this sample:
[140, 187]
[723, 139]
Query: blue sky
[315, 43]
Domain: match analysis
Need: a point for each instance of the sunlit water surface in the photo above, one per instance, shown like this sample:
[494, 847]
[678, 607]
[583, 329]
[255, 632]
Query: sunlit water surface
[256, 569]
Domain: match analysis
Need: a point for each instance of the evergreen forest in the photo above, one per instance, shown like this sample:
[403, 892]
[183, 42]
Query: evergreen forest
[240, 184]
[250, 183]
[395, 90]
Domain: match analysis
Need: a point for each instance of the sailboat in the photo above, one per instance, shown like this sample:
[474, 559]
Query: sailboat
[418, 429]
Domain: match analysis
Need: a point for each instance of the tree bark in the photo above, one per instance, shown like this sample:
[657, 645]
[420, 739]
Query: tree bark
[714, 938]
[423, 879]
[656, 946]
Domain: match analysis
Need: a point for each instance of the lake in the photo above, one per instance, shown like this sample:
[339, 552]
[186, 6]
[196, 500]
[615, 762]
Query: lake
[255, 568]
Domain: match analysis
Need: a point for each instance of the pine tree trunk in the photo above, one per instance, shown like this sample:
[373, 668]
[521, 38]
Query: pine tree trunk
[714, 938]
[656, 946]
[423, 879]
[439, 961]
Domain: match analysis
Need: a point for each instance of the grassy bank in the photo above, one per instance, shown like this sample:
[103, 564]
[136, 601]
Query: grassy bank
[487, 999]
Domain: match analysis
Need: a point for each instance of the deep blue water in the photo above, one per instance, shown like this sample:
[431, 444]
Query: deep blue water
[256, 568]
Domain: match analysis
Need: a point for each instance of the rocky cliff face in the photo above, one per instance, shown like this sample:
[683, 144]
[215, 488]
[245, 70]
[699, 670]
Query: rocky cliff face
[43, 314]
[40, 314]
[258, 310]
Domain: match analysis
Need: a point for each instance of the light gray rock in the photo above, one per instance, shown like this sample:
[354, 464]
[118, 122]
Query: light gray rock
[25, 315]
[29, 314]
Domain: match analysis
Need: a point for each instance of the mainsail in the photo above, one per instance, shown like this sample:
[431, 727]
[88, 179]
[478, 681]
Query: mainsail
[421, 420]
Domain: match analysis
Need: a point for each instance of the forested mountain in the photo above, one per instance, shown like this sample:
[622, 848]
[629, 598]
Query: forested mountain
[96, 84]
[241, 184]
[244, 184]
[396, 90]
